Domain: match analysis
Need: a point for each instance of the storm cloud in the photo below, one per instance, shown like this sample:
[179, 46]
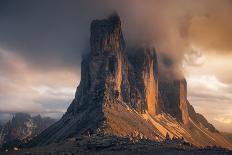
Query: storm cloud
[54, 33]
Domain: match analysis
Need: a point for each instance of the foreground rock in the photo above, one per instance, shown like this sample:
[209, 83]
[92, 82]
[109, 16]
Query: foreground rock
[111, 145]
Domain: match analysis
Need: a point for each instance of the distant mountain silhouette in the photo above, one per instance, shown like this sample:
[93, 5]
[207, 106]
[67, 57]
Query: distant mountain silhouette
[22, 128]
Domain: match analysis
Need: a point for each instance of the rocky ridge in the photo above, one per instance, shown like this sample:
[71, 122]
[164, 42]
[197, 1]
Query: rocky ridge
[21, 129]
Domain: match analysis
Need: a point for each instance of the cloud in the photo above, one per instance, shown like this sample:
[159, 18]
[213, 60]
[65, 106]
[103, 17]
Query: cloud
[224, 120]
[56, 32]
[208, 81]
[212, 98]
[213, 32]
[212, 64]
[26, 89]
[193, 58]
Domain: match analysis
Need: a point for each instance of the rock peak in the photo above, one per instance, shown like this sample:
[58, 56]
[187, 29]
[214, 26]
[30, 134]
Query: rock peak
[106, 36]
[121, 93]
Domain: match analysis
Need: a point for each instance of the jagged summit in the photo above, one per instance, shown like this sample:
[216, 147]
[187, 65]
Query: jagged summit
[106, 36]
[121, 93]
[22, 128]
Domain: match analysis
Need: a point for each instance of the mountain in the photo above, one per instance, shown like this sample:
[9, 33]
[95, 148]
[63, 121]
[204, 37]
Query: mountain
[21, 129]
[121, 93]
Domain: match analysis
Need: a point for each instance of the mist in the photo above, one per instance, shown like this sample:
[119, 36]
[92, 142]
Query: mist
[53, 34]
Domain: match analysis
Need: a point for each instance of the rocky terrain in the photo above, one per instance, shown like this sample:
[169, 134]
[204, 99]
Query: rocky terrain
[21, 129]
[114, 145]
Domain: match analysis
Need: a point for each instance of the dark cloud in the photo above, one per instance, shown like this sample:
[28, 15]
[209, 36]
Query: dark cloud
[54, 33]
[48, 34]
[168, 68]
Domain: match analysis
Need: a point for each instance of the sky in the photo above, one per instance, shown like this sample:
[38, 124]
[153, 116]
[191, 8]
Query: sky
[42, 42]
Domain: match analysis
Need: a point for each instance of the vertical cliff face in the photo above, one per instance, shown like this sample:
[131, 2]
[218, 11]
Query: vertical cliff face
[174, 94]
[107, 51]
[102, 71]
[183, 101]
[144, 79]
[120, 93]
[151, 82]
